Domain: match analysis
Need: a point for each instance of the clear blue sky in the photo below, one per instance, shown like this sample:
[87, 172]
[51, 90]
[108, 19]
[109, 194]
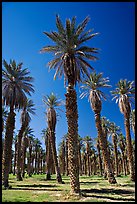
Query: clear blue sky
[23, 24]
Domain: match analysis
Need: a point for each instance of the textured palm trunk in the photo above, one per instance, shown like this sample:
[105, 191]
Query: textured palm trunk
[67, 172]
[99, 158]
[72, 120]
[7, 152]
[15, 159]
[54, 152]
[63, 158]
[105, 153]
[48, 160]
[115, 153]
[30, 160]
[129, 149]
[25, 144]
[36, 162]
[20, 135]
[80, 162]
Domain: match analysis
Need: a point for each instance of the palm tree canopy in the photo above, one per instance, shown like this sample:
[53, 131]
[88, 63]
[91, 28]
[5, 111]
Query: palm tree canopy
[52, 101]
[16, 83]
[28, 108]
[92, 86]
[71, 56]
[124, 93]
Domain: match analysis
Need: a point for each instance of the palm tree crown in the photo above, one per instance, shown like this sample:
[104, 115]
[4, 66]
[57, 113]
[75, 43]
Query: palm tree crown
[70, 54]
[123, 94]
[92, 87]
[15, 83]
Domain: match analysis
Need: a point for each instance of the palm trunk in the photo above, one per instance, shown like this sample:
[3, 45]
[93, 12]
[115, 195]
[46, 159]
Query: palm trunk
[48, 160]
[72, 119]
[67, 172]
[15, 159]
[129, 149]
[53, 148]
[7, 154]
[99, 158]
[105, 153]
[115, 153]
[20, 135]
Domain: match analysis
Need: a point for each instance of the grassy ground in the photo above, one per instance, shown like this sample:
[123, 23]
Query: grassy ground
[93, 188]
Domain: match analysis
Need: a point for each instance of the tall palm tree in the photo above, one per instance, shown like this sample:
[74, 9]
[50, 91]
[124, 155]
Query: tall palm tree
[123, 94]
[71, 59]
[99, 156]
[52, 102]
[114, 132]
[16, 83]
[122, 145]
[88, 142]
[37, 145]
[132, 120]
[25, 120]
[49, 157]
[92, 86]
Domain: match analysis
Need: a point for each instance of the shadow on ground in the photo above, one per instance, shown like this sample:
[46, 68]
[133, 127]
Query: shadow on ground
[106, 191]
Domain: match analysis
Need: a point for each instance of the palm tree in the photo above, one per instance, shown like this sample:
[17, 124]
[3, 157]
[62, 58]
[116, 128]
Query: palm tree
[49, 157]
[71, 59]
[52, 102]
[37, 145]
[92, 88]
[122, 145]
[114, 132]
[25, 120]
[132, 120]
[123, 94]
[99, 156]
[87, 140]
[16, 83]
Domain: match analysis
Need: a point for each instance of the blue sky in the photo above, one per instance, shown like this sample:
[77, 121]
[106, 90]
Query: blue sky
[23, 24]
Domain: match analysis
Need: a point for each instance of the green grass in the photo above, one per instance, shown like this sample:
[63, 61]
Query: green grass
[93, 188]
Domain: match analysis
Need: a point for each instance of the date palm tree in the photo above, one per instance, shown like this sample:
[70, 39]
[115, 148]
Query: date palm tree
[16, 83]
[52, 102]
[114, 132]
[71, 59]
[122, 145]
[123, 94]
[92, 86]
[25, 120]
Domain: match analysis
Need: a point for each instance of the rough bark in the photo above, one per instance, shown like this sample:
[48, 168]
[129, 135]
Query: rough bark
[115, 153]
[105, 153]
[129, 149]
[7, 153]
[20, 135]
[54, 152]
[72, 120]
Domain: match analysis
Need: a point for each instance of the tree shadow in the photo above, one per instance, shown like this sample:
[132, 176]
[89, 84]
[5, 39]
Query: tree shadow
[37, 185]
[88, 182]
[102, 191]
[116, 191]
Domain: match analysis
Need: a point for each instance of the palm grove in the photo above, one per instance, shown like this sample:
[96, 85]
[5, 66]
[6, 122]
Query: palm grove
[76, 155]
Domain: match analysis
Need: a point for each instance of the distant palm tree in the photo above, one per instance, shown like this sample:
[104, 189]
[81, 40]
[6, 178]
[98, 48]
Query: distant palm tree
[49, 156]
[92, 87]
[52, 102]
[71, 59]
[132, 120]
[114, 132]
[16, 83]
[25, 120]
[88, 143]
[123, 93]
[122, 145]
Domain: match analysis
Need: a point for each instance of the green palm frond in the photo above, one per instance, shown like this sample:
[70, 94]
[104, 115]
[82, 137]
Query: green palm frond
[71, 57]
